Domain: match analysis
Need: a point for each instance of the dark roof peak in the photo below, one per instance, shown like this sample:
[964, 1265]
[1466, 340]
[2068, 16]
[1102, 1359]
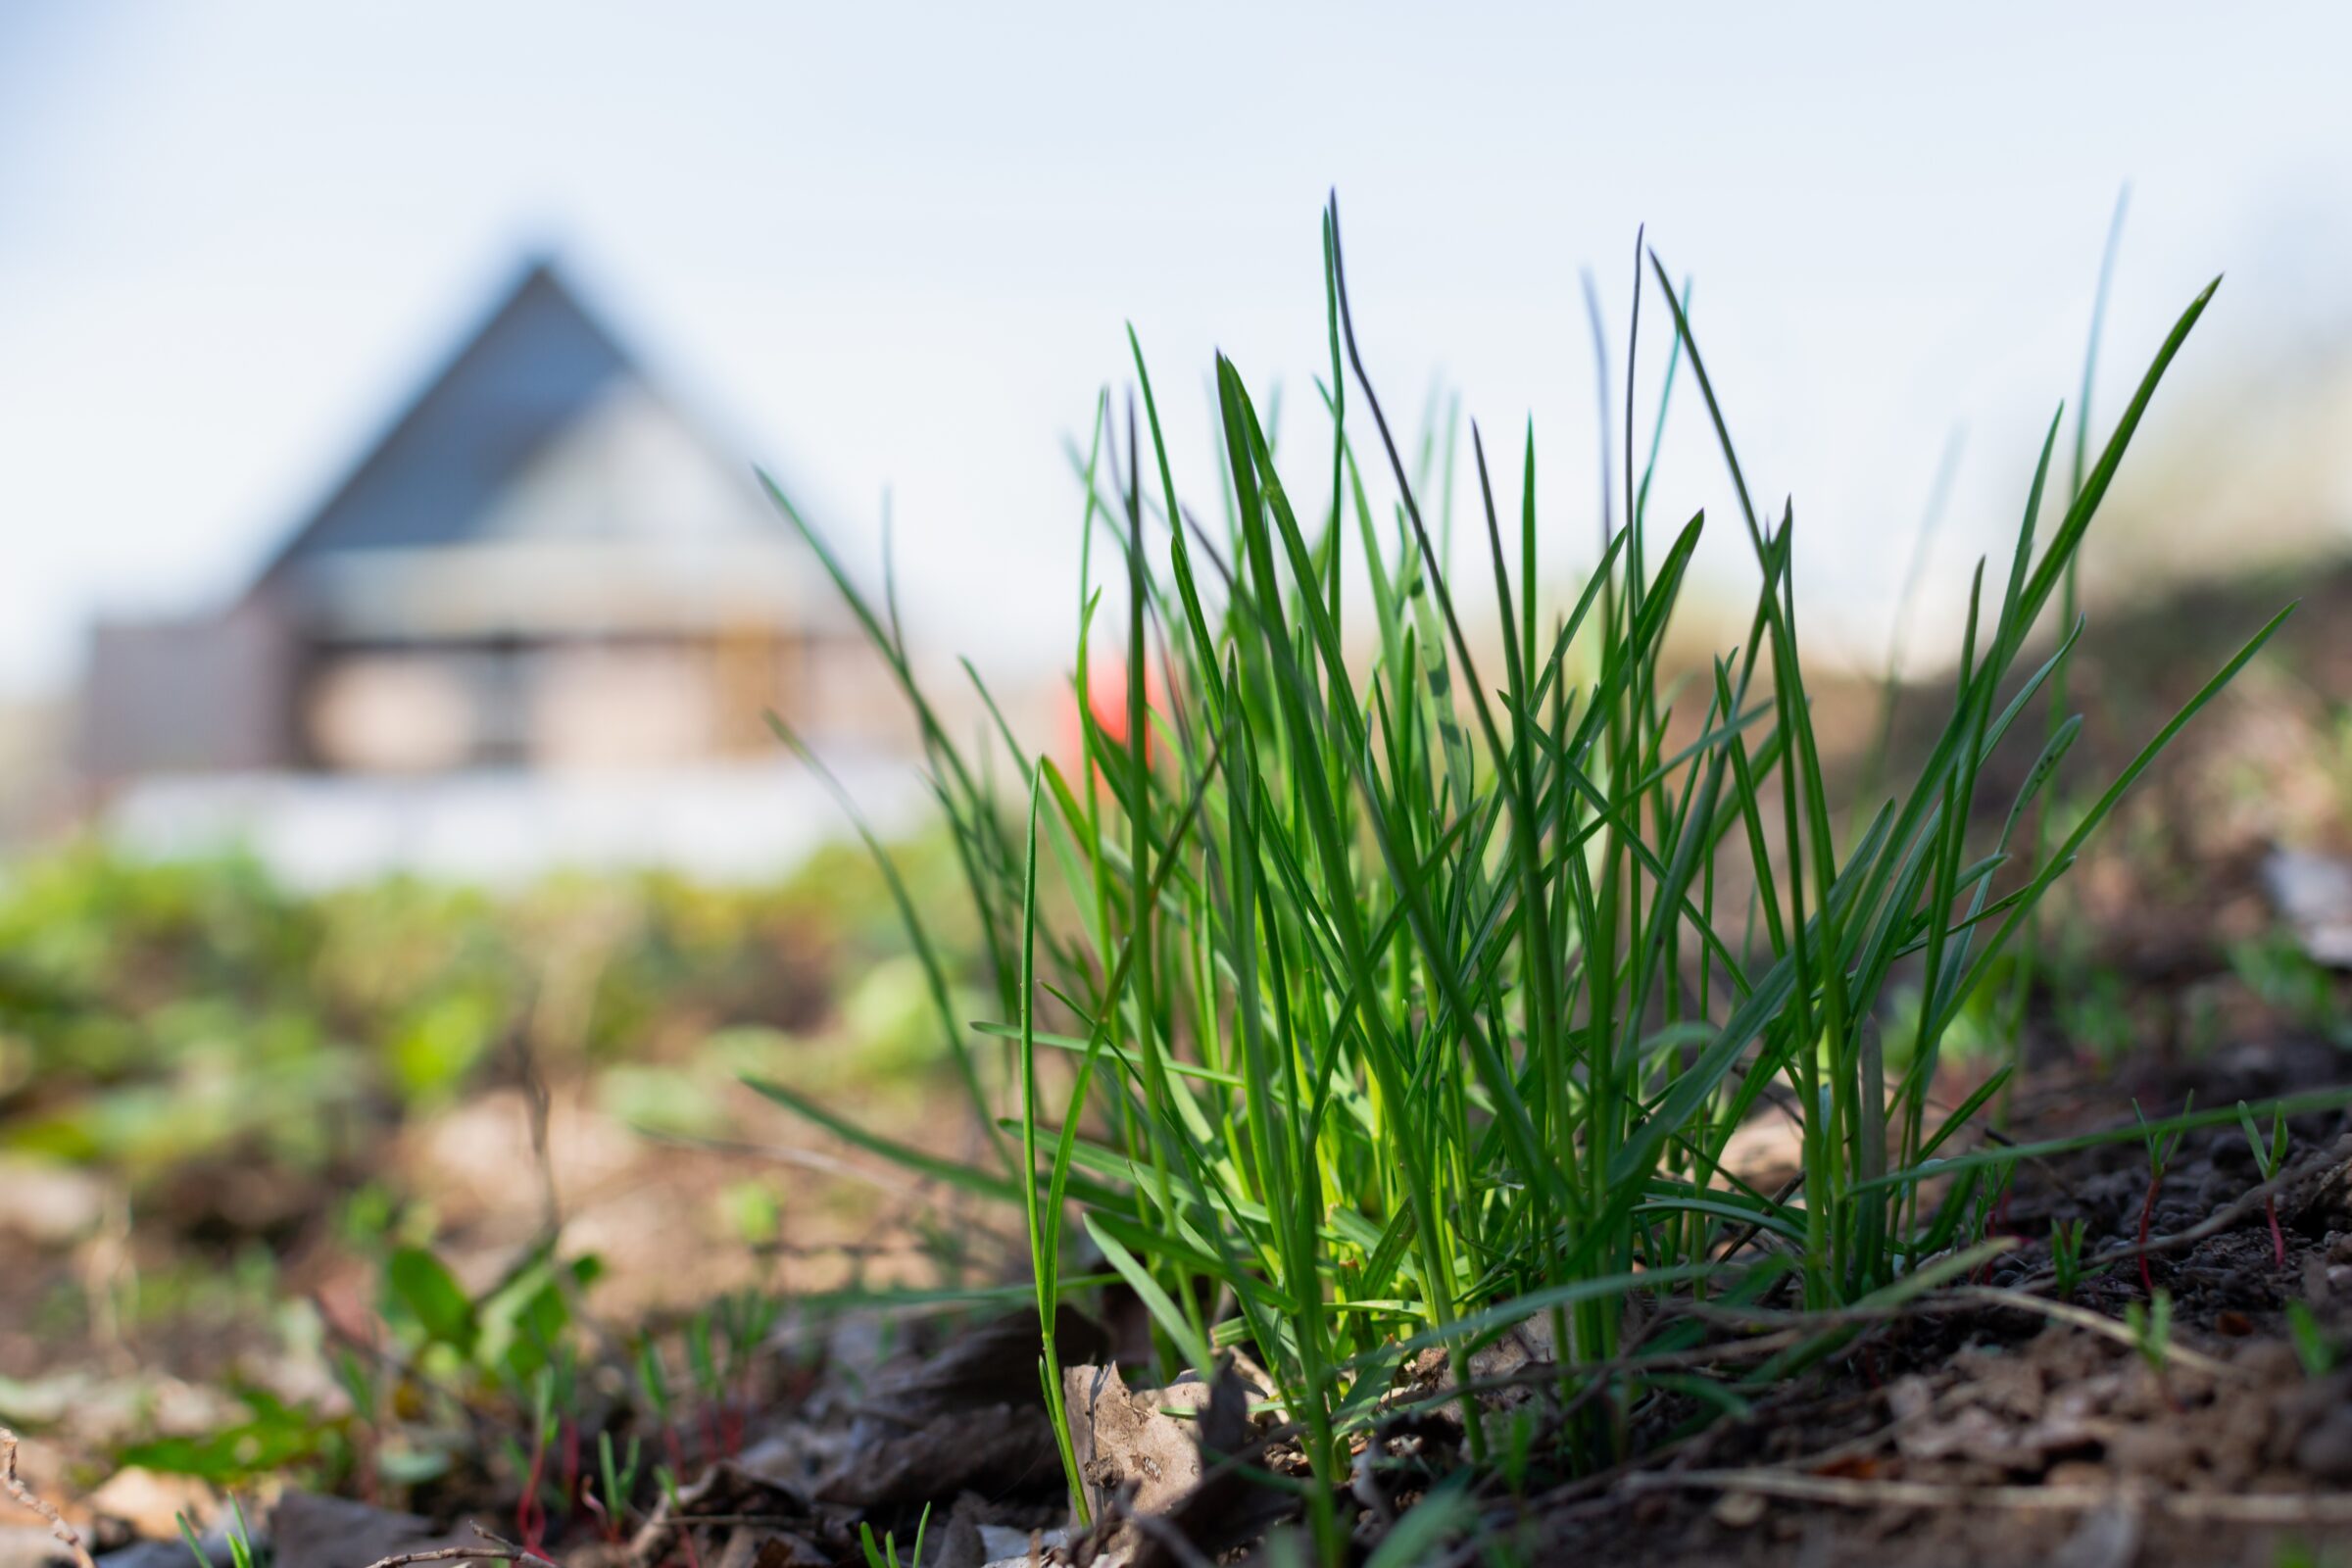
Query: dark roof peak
[531, 367]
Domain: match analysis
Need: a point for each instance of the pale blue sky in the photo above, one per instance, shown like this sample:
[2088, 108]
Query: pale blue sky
[895, 246]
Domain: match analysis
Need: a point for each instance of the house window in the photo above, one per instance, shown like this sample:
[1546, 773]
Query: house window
[393, 713]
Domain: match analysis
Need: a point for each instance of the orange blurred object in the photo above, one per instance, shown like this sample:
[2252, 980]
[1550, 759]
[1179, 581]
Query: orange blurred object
[1107, 700]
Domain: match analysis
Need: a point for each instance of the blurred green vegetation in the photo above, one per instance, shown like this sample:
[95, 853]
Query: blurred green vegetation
[159, 1015]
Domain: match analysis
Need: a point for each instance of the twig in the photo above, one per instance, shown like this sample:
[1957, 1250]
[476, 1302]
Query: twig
[538, 1103]
[1584, 1496]
[1940, 1302]
[2246, 1508]
[494, 1549]
[68, 1537]
[2082, 1317]
[1790, 1328]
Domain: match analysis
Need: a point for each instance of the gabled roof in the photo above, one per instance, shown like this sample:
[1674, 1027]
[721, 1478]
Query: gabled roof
[539, 369]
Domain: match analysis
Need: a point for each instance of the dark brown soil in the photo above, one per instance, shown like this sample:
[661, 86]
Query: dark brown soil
[1983, 1433]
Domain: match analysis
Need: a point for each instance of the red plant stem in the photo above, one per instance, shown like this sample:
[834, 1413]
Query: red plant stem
[571, 1439]
[530, 1514]
[677, 1466]
[2269, 1208]
[730, 1429]
[606, 1525]
[1996, 1224]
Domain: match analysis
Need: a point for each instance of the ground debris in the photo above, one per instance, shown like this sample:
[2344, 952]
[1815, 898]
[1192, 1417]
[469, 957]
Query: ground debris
[1132, 1450]
[1973, 1431]
[1232, 1503]
[969, 1418]
[1005, 1547]
[311, 1531]
[977, 1532]
[150, 1502]
[992, 1363]
[173, 1553]
[753, 1522]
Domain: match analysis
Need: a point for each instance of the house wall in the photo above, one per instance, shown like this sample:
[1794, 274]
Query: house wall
[576, 704]
[186, 695]
[240, 693]
[848, 696]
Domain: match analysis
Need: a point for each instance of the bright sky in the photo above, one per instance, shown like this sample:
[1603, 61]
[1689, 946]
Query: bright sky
[894, 247]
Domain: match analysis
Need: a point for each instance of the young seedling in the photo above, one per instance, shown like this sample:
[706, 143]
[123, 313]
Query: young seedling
[2312, 1345]
[361, 1385]
[550, 1388]
[744, 1319]
[240, 1539]
[2151, 1328]
[2269, 1157]
[1991, 1213]
[619, 1483]
[885, 1553]
[2066, 1257]
[2161, 1147]
[666, 1481]
[654, 1379]
[711, 1383]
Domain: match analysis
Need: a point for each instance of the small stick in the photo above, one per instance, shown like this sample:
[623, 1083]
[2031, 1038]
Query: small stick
[2097, 1323]
[494, 1549]
[2249, 1509]
[68, 1537]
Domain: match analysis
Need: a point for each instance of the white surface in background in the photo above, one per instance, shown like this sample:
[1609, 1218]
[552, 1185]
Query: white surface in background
[2314, 892]
[723, 823]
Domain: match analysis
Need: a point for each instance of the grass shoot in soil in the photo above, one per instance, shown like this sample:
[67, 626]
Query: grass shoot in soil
[1398, 1004]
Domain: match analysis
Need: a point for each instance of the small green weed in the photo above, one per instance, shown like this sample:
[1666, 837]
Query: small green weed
[2162, 1139]
[2066, 1257]
[240, 1536]
[2151, 1328]
[2270, 1156]
[2312, 1347]
[611, 1505]
[885, 1553]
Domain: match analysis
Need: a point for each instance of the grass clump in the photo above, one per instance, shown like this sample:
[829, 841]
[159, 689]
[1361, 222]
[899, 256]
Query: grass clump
[1392, 1002]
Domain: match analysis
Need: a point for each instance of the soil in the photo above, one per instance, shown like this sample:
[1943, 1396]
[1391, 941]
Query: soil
[1984, 1433]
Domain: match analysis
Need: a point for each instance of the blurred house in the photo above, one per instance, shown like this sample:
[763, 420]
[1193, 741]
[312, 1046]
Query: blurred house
[544, 583]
